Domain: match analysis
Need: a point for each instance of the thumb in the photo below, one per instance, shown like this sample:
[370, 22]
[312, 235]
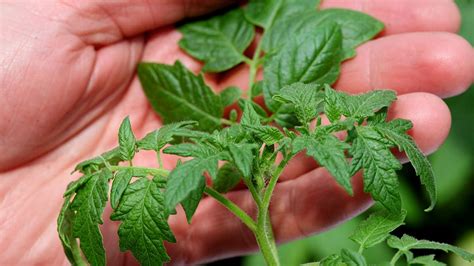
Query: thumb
[104, 22]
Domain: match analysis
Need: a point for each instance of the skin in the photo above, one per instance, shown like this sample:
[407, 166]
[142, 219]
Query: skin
[68, 79]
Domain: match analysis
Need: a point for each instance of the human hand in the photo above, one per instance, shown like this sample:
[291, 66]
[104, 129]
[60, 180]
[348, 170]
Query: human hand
[68, 81]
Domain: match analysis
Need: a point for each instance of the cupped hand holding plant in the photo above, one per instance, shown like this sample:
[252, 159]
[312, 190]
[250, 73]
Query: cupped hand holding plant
[69, 81]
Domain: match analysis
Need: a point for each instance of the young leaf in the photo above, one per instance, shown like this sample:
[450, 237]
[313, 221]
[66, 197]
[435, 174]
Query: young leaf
[120, 183]
[352, 258]
[265, 13]
[268, 134]
[157, 139]
[230, 95]
[371, 152]
[331, 260]
[427, 260]
[249, 115]
[356, 106]
[127, 141]
[144, 224]
[64, 227]
[242, 156]
[304, 97]
[191, 202]
[311, 58]
[377, 227]
[329, 152]
[176, 94]
[407, 243]
[357, 28]
[219, 41]
[112, 157]
[89, 203]
[227, 178]
[395, 131]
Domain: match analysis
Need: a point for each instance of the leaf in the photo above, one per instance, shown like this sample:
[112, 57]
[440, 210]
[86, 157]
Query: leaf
[332, 260]
[329, 152]
[371, 152]
[407, 243]
[120, 183]
[304, 97]
[112, 157]
[230, 95]
[76, 184]
[428, 260]
[176, 94]
[191, 203]
[88, 205]
[356, 27]
[157, 139]
[186, 178]
[265, 13]
[190, 150]
[268, 134]
[308, 59]
[127, 141]
[64, 227]
[144, 225]
[352, 258]
[356, 106]
[219, 41]
[395, 131]
[376, 227]
[242, 156]
[227, 178]
[249, 115]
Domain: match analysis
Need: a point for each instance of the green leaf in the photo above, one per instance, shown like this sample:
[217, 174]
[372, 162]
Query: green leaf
[127, 140]
[112, 157]
[352, 258]
[176, 94]
[249, 115]
[356, 106]
[76, 184]
[144, 225]
[191, 202]
[190, 150]
[268, 134]
[357, 28]
[227, 178]
[428, 260]
[242, 156]
[329, 152]
[371, 152]
[395, 131]
[308, 59]
[407, 243]
[332, 260]
[88, 205]
[219, 41]
[120, 183]
[230, 95]
[265, 13]
[157, 139]
[186, 178]
[377, 227]
[304, 97]
[64, 227]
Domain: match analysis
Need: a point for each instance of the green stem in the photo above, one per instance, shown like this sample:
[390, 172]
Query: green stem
[273, 181]
[254, 64]
[152, 171]
[227, 122]
[395, 258]
[76, 253]
[232, 207]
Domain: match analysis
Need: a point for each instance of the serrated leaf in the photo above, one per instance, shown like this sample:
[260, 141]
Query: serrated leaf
[121, 180]
[157, 139]
[242, 156]
[219, 41]
[191, 203]
[112, 157]
[395, 131]
[176, 94]
[329, 152]
[144, 224]
[127, 141]
[266, 13]
[308, 59]
[376, 227]
[371, 152]
[352, 258]
[73, 186]
[332, 260]
[357, 28]
[230, 95]
[189, 150]
[356, 106]
[186, 178]
[304, 97]
[88, 205]
[407, 243]
[64, 227]
[428, 260]
[268, 134]
[249, 115]
[228, 176]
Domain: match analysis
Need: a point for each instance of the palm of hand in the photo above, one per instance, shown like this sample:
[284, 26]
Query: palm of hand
[76, 95]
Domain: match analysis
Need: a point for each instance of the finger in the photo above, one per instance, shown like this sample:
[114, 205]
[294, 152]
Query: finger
[105, 22]
[438, 63]
[406, 15]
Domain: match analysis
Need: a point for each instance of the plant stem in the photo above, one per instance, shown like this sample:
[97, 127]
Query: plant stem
[232, 207]
[227, 122]
[254, 64]
[395, 258]
[76, 253]
[152, 171]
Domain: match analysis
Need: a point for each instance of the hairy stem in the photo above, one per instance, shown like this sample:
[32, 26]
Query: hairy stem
[395, 258]
[232, 207]
[254, 64]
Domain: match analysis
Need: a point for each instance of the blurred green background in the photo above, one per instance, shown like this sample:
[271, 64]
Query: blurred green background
[451, 222]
